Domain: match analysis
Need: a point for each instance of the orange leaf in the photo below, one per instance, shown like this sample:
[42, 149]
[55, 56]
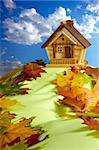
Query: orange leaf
[73, 103]
[20, 131]
[91, 122]
[94, 72]
[96, 108]
[66, 92]
[5, 102]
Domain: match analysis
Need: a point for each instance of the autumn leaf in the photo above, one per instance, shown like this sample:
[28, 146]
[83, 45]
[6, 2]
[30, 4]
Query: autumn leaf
[81, 99]
[17, 132]
[94, 72]
[73, 103]
[11, 74]
[75, 69]
[91, 122]
[80, 79]
[33, 70]
[8, 89]
[30, 70]
[64, 80]
[66, 92]
[5, 119]
[18, 146]
[40, 62]
[96, 108]
[6, 102]
[96, 89]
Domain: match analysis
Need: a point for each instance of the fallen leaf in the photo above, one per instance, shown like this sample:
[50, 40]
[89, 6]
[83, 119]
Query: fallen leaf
[33, 70]
[17, 132]
[8, 89]
[96, 108]
[94, 72]
[6, 102]
[66, 92]
[80, 80]
[91, 122]
[73, 103]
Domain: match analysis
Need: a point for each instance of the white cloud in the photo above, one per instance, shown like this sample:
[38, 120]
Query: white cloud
[93, 8]
[9, 4]
[31, 27]
[21, 32]
[79, 7]
[2, 52]
[88, 26]
[68, 10]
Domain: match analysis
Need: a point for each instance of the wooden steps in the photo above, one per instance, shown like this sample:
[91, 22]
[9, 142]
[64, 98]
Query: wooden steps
[62, 65]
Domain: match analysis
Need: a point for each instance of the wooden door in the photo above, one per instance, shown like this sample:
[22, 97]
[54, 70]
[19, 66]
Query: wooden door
[67, 52]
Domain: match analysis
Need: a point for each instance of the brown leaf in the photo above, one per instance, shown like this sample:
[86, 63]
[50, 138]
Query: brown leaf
[94, 72]
[91, 122]
[16, 132]
[73, 103]
[66, 92]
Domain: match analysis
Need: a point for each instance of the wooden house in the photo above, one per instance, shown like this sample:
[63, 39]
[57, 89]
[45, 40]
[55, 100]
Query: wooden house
[66, 45]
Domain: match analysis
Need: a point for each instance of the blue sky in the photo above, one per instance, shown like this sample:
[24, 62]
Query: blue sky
[26, 24]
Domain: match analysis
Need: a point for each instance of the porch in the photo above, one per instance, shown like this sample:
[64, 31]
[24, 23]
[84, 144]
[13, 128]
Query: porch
[63, 61]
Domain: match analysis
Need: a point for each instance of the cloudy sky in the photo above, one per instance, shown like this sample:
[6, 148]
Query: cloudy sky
[26, 24]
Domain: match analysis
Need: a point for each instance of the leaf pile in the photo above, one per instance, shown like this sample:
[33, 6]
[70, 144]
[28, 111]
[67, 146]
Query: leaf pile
[76, 95]
[82, 99]
[20, 133]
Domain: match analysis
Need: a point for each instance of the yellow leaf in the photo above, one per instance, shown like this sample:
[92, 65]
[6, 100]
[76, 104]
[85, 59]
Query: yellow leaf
[61, 80]
[5, 102]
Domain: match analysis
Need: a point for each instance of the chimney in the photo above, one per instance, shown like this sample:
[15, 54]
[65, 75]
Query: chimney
[67, 22]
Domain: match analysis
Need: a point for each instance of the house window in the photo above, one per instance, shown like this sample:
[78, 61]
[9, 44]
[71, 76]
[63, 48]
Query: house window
[60, 49]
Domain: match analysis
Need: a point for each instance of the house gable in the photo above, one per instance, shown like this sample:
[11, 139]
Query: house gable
[73, 34]
[63, 40]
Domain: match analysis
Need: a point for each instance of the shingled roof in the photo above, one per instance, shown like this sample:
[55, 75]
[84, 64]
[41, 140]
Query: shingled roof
[68, 25]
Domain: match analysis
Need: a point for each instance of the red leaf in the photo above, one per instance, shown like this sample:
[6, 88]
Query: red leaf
[94, 72]
[96, 109]
[91, 122]
[66, 92]
[33, 139]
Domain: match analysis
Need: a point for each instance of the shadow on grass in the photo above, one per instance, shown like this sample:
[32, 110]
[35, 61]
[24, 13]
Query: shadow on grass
[93, 133]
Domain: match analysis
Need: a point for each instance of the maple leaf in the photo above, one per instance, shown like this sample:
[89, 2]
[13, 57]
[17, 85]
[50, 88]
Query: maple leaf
[81, 99]
[94, 72]
[6, 102]
[33, 70]
[75, 69]
[96, 89]
[91, 122]
[64, 80]
[9, 75]
[17, 132]
[96, 108]
[18, 146]
[40, 62]
[80, 79]
[66, 92]
[5, 119]
[73, 103]
[30, 70]
[8, 89]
